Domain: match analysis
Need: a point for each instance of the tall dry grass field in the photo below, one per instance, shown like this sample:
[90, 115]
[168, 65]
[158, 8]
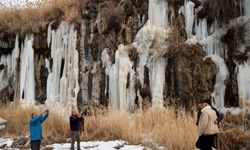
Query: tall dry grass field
[56, 128]
[175, 130]
[152, 128]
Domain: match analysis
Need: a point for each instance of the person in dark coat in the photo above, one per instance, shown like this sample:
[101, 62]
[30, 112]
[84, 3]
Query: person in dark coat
[75, 120]
[36, 129]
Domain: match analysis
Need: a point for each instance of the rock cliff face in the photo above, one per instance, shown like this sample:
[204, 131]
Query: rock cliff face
[127, 51]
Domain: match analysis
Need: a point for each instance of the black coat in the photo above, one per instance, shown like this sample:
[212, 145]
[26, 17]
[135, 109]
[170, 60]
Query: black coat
[75, 122]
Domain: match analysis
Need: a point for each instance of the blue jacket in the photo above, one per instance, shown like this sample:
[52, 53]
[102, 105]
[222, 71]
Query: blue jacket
[36, 127]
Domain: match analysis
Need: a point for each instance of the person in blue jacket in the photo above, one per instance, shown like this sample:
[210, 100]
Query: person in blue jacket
[36, 129]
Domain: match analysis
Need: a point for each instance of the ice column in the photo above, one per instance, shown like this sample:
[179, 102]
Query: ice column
[189, 17]
[159, 13]
[244, 68]
[244, 81]
[62, 83]
[121, 79]
[27, 77]
[59, 40]
[247, 7]
[5, 74]
[151, 43]
[221, 76]
[69, 82]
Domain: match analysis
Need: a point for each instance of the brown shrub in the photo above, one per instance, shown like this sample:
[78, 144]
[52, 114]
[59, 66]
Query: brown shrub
[36, 18]
[153, 127]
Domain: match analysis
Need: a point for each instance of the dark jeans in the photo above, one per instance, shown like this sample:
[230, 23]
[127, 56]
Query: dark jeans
[75, 136]
[206, 142]
[35, 145]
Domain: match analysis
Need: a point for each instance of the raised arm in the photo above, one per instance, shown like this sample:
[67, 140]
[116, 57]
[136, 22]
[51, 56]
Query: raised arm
[45, 115]
[44, 118]
[37, 119]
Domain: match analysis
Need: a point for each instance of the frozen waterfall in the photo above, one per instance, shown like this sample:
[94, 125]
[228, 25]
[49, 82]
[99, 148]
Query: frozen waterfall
[62, 83]
[27, 74]
[244, 68]
[121, 80]
[151, 46]
[219, 87]
[9, 65]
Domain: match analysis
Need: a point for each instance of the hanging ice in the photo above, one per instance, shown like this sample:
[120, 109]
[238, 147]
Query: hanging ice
[221, 76]
[151, 43]
[159, 13]
[189, 17]
[121, 79]
[244, 81]
[5, 73]
[62, 85]
[247, 7]
[152, 46]
[27, 77]
[244, 68]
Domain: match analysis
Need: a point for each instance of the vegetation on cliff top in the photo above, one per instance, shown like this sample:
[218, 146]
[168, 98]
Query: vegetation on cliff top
[35, 19]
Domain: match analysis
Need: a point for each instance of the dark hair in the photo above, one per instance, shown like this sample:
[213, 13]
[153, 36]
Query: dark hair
[32, 115]
[208, 101]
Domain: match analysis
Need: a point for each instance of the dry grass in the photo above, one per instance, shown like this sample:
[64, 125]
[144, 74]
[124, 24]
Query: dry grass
[35, 19]
[18, 123]
[174, 129]
[151, 128]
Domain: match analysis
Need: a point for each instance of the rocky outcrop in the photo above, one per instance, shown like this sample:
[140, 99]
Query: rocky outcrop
[107, 24]
[189, 78]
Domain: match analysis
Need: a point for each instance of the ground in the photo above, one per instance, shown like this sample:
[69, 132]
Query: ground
[90, 145]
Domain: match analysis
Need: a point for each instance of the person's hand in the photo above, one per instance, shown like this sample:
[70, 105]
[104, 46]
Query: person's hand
[47, 111]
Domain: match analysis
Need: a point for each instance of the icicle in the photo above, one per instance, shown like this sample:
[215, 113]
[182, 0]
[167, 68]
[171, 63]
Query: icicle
[219, 87]
[27, 76]
[15, 55]
[3, 72]
[49, 32]
[121, 96]
[151, 47]
[106, 63]
[201, 30]
[47, 65]
[9, 62]
[244, 81]
[247, 7]
[189, 17]
[158, 13]
[62, 85]
[58, 44]
[157, 79]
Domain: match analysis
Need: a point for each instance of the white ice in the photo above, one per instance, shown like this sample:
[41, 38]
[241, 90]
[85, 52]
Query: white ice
[221, 76]
[62, 83]
[244, 81]
[121, 74]
[27, 74]
[159, 13]
[151, 47]
[189, 17]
